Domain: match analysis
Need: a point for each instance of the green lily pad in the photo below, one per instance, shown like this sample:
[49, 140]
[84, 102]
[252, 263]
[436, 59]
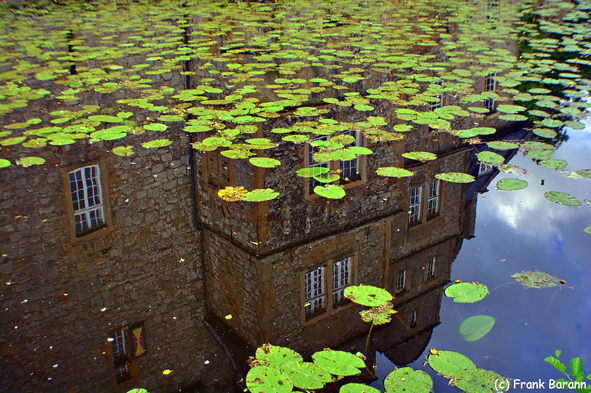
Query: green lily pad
[585, 173]
[4, 163]
[479, 381]
[364, 108]
[536, 279]
[490, 157]
[362, 151]
[540, 154]
[311, 172]
[295, 138]
[264, 162]
[357, 388]
[466, 292]
[28, 161]
[266, 380]
[12, 141]
[157, 143]
[552, 123]
[124, 151]
[502, 145]
[451, 364]
[338, 362]
[236, 154]
[587, 229]
[155, 127]
[513, 117]
[553, 164]
[576, 125]
[476, 327]
[406, 379]
[327, 178]
[511, 108]
[394, 172]
[367, 295]
[275, 356]
[562, 198]
[305, 375]
[422, 156]
[511, 184]
[455, 177]
[544, 132]
[330, 191]
[260, 195]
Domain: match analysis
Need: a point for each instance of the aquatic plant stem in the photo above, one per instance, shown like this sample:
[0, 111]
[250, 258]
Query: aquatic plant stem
[502, 285]
[552, 298]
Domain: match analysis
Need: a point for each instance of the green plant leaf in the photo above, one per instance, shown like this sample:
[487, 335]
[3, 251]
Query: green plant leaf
[311, 172]
[451, 364]
[274, 356]
[157, 143]
[544, 132]
[511, 108]
[367, 295]
[124, 151]
[260, 195]
[420, 156]
[556, 363]
[155, 127]
[338, 362]
[394, 172]
[562, 198]
[587, 229]
[478, 381]
[264, 162]
[359, 150]
[552, 123]
[455, 177]
[28, 161]
[553, 164]
[511, 184]
[576, 367]
[4, 163]
[540, 154]
[536, 279]
[466, 292]
[330, 191]
[305, 375]
[490, 157]
[267, 380]
[502, 145]
[406, 379]
[357, 388]
[476, 327]
[585, 173]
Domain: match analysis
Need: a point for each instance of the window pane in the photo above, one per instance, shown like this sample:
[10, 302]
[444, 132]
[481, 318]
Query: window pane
[432, 199]
[86, 197]
[414, 208]
[314, 291]
[400, 281]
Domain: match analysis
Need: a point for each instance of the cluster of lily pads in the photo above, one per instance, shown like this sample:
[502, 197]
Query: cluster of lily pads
[251, 64]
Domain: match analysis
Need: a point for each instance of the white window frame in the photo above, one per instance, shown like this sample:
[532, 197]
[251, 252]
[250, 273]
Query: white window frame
[314, 292]
[433, 198]
[490, 84]
[413, 319]
[400, 281]
[414, 205]
[120, 351]
[341, 279]
[87, 199]
[484, 168]
[350, 168]
[438, 104]
[431, 268]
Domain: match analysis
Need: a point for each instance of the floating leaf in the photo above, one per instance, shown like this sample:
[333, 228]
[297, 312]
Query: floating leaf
[394, 172]
[367, 295]
[338, 362]
[237, 154]
[12, 141]
[267, 380]
[479, 381]
[4, 163]
[264, 162]
[28, 161]
[359, 150]
[311, 172]
[157, 143]
[502, 145]
[296, 138]
[544, 132]
[260, 195]
[562, 198]
[357, 388]
[466, 292]
[511, 108]
[536, 279]
[553, 164]
[476, 327]
[451, 364]
[305, 375]
[330, 191]
[455, 177]
[406, 379]
[166, 372]
[585, 173]
[586, 230]
[540, 154]
[124, 151]
[232, 194]
[511, 184]
[576, 125]
[275, 356]
[420, 156]
[513, 117]
[155, 127]
[490, 157]
[552, 123]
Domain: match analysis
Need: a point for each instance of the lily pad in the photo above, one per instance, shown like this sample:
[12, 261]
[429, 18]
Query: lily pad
[451, 364]
[479, 381]
[455, 177]
[260, 195]
[394, 172]
[502, 145]
[311, 172]
[330, 191]
[266, 380]
[562, 198]
[466, 292]
[157, 143]
[264, 162]
[553, 164]
[476, 327]
[540, 154]
[124, 151]
[536, 279]
[406, 379]
[544, 132]
[155, 127]
[4, 163]
[357, 388]
[232, 194]
[305, 375]
[422, 156]
[338, 362]
[490, 157]
[367, 295]
[511, 184]
[28, 161]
